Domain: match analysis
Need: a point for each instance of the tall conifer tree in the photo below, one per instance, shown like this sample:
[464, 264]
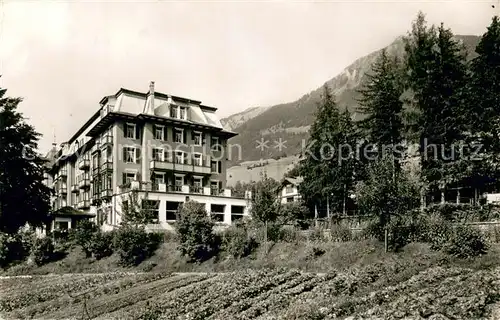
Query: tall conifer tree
[329, 158]
[381, 102]
[484, 107]
[437, 78]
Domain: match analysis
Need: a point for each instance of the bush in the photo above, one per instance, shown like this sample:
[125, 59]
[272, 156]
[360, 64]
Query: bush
[15, 248]
[133, 244]
[101, 245]
[195, 232]
[5, 250]
[295, 213]
[237, 242]
[314, 252]
[83, 235]
[61, 236]
[437, 232]
[460, 212]
[373, 231]
[290, 234]
[42, 251]
[465, 242]
[316, 234]
[340, 232]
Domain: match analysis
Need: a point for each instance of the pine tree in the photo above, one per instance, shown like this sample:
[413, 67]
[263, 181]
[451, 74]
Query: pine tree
[437, 77]
[484, 107]
[383, 126]
[23, 196]
[381, 103]
[316, 185]
[349, 163]
[329, 161]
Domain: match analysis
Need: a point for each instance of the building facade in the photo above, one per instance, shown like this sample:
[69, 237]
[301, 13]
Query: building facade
[168, 149]
[289, 191]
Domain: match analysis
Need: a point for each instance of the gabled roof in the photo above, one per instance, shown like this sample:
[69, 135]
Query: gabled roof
[295, 181]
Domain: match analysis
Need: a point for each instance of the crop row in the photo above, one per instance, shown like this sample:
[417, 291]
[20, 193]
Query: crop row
[91, 292]
[114, 301]
[50, 289]
[279, 294]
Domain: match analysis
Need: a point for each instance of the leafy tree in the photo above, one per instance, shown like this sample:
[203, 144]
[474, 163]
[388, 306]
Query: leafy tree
[265, 206]
[296, 213]
[23, 196]
[238, 190]
[132, 243]
[384, 194]
[329, 160]
[293, 173]
[138, 210]
[195, 231]
[83, 234]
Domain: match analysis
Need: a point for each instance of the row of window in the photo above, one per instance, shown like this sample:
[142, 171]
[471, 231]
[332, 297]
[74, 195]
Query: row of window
[172, 207]
[132, 155]
[179, 180]
[160, 133]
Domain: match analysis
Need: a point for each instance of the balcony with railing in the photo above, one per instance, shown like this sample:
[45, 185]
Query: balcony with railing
[96, 148]
[61, 190]
[84, 164]
[83, 204]
[173, 188]
[75, 188]
[196, 189]
[106, 140]
[106, 109]
[180, 166]
[107, 165]
[106, 193]
[63, 173]
[214, 191]
[83, 181]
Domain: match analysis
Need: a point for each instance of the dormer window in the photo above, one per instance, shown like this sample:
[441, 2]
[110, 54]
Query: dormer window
[173, 111]
[178, 112]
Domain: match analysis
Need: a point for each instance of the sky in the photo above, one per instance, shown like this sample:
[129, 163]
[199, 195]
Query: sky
[62, 57]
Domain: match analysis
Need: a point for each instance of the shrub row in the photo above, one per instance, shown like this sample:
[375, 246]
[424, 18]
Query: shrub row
[459, 240]
[132, 243]
[15, 248]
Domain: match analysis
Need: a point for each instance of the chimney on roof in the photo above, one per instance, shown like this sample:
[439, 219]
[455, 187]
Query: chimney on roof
[152, 87]
[150, 101]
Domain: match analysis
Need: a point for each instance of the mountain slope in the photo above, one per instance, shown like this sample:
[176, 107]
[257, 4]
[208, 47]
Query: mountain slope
[237, 119]
[290, 121]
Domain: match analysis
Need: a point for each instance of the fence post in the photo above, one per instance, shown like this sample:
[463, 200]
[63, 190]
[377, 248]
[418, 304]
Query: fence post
[265, 239]
[386, 236]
